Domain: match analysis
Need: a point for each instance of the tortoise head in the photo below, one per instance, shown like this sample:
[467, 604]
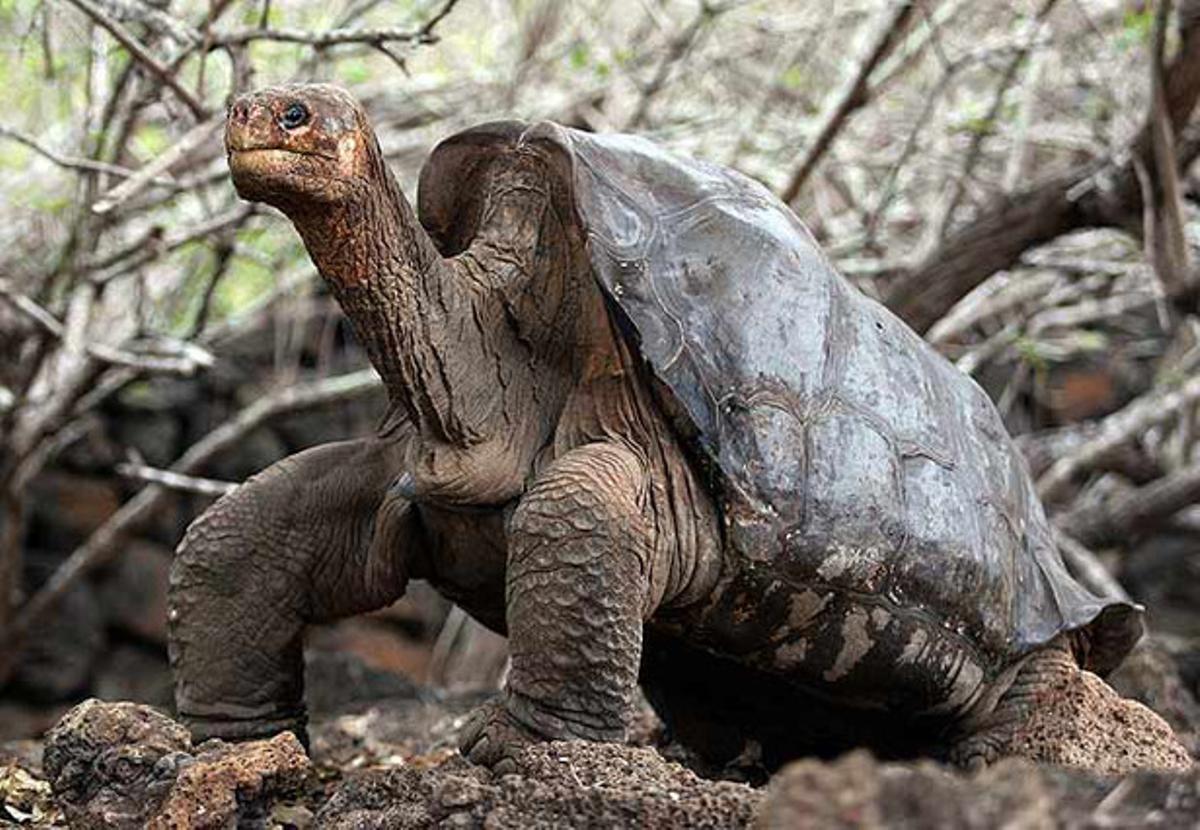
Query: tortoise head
[300, 146]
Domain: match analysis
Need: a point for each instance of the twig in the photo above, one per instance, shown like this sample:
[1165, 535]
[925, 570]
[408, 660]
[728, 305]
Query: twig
[1018, 155]
[83, 165]
[951, 69]
[223, 257]
[139, 53]
[1079, 265]
[104, 542]
[1002, 293]
[134, 184]
[1122, 426]
[321, 40]
[183, 366]
[751, 126]
[139, 254]
[1186, 520]
[1113, 521]
[157, 21]
[970, 361]
[336, 37]
[1042, 449]
[175, 481]
[1114, 799]
[443, 646]
[676, 49]
[1104, 193]
[888, 190]
[46, 451]
[908, 54]
[975, 146]
[1088, 310]
[186, 364]
[1158, 179]
[25, 305]
[247, 318]
[1088, 568]
[852, 96]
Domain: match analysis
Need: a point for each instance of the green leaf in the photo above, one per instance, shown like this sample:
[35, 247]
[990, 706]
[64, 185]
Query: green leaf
[980, 125]
[579, 55]
[1136, 28]
[354, 71]
[792, 78]
[1030, 352]
[150, 140]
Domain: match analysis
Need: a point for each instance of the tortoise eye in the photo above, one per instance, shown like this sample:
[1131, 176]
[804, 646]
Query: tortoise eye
[296, 115]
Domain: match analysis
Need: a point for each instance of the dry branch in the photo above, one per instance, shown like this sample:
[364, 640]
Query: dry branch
[852, 96]
[142, 56]
[1098, 194]
[336, 37]
[975, 146]
[1158, 180]
[1117, 429]
[149, 173]
[992, 298]
[82, 165]
[994, 241]
[1130, 461]
[1088, 568]
[159, 22]
[176, 481]
[675, 52]
[186, 363]
[1115, 520]
[104, 542]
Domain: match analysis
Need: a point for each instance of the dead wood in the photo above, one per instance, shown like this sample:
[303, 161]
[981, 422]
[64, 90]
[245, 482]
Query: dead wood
[1105, 193]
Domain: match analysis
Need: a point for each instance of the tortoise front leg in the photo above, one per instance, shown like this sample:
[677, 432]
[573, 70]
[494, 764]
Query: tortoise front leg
[578, 591]
[315, 537]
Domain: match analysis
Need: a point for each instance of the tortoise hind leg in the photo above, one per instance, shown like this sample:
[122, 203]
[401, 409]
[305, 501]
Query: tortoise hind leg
[1048, 709]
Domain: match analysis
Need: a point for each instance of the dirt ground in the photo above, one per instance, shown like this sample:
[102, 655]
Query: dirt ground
[387, 760]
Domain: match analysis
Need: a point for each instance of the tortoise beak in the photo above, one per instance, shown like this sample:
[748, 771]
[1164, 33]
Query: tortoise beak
[251, 125]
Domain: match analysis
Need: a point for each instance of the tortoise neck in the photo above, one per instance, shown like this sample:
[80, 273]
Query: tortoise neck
[392, 283]
[368, 237]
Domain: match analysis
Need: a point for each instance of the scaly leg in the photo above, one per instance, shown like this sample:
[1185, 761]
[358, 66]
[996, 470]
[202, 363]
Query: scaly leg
[315, 537]
[578, 591]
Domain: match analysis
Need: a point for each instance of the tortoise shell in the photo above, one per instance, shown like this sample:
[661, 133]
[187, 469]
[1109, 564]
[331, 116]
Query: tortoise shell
[842, 448]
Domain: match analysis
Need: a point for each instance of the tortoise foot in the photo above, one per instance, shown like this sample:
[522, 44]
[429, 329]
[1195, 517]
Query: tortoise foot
[1082, 722]
[1057, 713]
[493, 737]
[979, 751]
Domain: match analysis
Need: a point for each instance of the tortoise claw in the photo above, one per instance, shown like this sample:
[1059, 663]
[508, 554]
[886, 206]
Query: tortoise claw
[493, 738]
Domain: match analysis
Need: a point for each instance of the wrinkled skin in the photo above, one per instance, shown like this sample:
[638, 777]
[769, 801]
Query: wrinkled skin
[526, 471]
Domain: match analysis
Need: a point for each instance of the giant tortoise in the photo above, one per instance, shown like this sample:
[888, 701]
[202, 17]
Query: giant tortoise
[641, 425]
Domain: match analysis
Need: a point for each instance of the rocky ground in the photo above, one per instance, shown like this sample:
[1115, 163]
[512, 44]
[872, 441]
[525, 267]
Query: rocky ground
[387, 760]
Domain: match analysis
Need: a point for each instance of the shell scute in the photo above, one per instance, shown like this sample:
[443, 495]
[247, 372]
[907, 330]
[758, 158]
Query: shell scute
[849, 537]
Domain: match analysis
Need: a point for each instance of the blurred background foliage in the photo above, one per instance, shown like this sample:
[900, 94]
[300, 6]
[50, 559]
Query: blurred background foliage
[739, 83]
